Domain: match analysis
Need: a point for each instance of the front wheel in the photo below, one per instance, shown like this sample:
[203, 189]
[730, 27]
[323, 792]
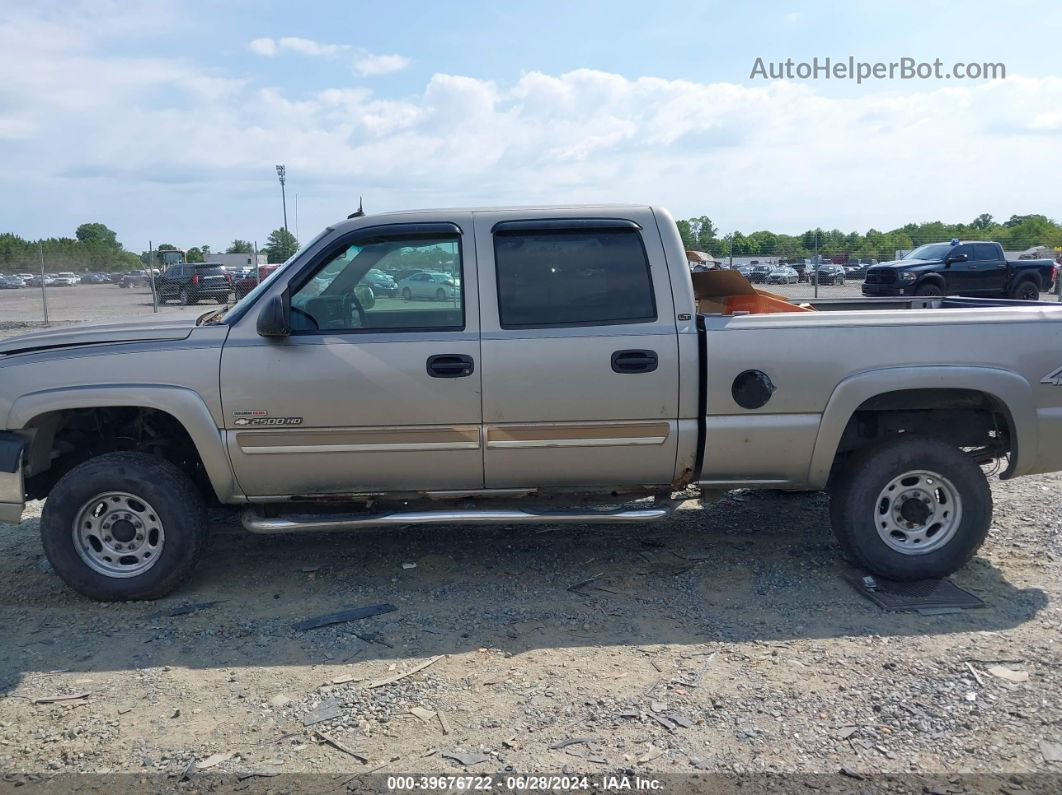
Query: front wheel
[440, 294]
[911, 508]
[930, 290]
[124, 526]
[407, 294]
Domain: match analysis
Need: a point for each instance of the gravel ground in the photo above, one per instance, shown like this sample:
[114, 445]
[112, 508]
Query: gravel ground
[725, 641]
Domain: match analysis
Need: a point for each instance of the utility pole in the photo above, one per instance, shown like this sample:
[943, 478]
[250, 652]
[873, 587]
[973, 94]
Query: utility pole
[815, 263]
[282, 172]
[44, 292]
[730, 241]
[151, 277]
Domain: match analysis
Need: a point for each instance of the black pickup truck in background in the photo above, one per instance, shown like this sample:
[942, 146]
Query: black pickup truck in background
[975, 268]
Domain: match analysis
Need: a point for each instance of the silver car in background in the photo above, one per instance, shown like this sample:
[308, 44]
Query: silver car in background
[428, 286]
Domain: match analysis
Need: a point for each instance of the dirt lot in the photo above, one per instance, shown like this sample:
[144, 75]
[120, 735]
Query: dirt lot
[720, 642]
[725, 641]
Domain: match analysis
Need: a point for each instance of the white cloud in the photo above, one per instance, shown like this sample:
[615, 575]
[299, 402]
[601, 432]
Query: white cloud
[265, 46]
[270, 47]
[379, 64]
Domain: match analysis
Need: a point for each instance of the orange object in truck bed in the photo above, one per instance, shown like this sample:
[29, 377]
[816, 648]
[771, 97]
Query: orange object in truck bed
[761, 303]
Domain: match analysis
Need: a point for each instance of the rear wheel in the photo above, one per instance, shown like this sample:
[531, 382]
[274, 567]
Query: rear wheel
[911, 508]
[1026, 290]
[407, 294]
[929, 290]
[186, 298]
[124, 526]
[440, 294]
[222, 299]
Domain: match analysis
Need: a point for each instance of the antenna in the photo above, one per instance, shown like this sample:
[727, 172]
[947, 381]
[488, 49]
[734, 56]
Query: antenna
[359, 212]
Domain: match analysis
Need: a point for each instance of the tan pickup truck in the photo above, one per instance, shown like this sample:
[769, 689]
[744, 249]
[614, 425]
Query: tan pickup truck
[527, 365]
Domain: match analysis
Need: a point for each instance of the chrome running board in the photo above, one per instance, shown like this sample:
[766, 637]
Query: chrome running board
[254, 521]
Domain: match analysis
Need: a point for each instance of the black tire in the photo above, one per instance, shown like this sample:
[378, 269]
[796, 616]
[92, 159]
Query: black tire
[1026, 290]
[440, 294]
[186, 298]
[169, 492]
[929, 290]
[854, 507]
[222, 299]
[407, 294]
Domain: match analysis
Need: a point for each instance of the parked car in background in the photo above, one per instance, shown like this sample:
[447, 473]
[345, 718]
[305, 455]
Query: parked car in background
[405, 273]
[428, 286]
[380, 282]
[66, 279]
[974, 268]
[248, 281]
[855, 271]
[133, 279]
[758, 273]
[829, 274]
[95, 278]
[11, 283]
[744, 270]
[189, 282]
[34, 280]
[783, 275]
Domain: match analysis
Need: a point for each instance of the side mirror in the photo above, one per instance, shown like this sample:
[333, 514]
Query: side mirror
[956, 258]
[275, 318]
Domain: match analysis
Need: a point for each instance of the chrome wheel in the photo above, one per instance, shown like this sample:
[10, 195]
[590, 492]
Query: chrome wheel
[118, 535]
[918, 512]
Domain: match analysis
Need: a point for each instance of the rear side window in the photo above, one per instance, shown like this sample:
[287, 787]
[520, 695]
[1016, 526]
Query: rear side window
[585, 277]
[985, 251]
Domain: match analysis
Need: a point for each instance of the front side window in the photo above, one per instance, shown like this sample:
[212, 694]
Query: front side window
[572, 278]
[374, 286]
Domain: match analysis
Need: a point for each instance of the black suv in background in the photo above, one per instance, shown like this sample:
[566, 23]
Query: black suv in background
[190, 281]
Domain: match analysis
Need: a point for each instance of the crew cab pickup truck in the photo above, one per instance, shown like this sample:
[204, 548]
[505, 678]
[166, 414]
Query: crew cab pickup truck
[973, 268]
[567, 378]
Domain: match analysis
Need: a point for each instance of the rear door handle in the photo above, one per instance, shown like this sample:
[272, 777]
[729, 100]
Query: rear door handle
[450, 365]
[634, 361]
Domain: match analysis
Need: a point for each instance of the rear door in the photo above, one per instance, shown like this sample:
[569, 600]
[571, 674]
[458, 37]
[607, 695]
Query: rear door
[580, 351]
[990, 269]
[369, 393]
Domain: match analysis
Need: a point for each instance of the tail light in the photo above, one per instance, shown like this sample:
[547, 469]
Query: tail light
[195, 278]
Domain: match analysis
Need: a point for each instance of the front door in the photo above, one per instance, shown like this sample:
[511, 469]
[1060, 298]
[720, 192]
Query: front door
[371, 391]
[580, 352]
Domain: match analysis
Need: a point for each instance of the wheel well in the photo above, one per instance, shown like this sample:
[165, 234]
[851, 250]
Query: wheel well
[967, 418]
[1028, 276]
[935, 278]
[63, 439]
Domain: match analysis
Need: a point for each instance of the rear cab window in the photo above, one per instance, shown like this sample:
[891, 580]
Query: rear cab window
[577, 275]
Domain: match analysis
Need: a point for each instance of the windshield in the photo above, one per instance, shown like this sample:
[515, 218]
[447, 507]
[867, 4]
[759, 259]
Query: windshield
[252, 296]
[930, 251]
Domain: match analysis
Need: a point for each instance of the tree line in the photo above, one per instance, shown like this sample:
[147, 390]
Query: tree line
[1017, 233]
[95, 247]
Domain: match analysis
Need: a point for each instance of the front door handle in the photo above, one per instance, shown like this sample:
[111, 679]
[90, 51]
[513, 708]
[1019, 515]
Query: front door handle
[635, 361]
[450, 365]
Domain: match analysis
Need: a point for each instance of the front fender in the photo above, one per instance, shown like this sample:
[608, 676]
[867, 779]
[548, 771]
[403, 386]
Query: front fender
[1013, 391]
[185, 405]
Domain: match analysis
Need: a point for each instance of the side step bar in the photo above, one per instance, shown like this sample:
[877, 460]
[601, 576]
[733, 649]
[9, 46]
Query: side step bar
[309, 522]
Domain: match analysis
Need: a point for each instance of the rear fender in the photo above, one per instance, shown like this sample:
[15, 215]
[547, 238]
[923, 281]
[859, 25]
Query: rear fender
[1009, 388]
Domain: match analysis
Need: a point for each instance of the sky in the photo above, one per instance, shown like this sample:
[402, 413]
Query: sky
[165, 119]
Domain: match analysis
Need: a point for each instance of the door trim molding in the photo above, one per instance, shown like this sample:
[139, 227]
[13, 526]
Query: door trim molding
[577, 435]
[359, 440]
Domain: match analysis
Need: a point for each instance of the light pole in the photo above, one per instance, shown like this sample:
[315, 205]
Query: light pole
[281, 173]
